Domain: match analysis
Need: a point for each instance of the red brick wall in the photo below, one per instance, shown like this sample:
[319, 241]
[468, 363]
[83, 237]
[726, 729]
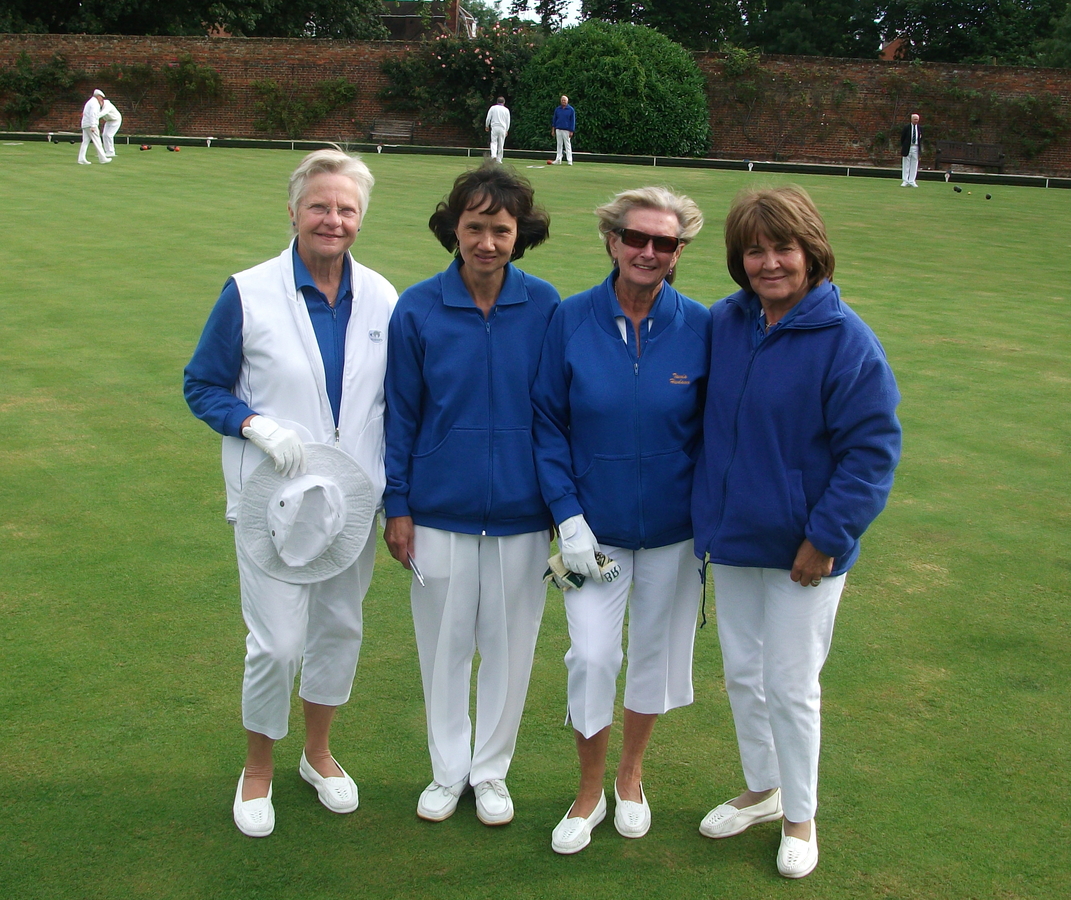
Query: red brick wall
[796, 108]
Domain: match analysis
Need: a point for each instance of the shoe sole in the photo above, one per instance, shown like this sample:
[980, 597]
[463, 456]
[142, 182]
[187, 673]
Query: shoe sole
[492, 821]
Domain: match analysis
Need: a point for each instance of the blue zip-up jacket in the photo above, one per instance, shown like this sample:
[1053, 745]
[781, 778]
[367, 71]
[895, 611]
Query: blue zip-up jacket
[617, 434]
[800, 434]
[564, 117]
[459, 409]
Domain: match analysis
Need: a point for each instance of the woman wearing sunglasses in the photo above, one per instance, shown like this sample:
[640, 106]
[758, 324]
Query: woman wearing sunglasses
[619, 399]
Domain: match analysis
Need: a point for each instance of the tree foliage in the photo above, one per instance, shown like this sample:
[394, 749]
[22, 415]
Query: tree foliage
[1056, 50]
[634, 90]
[454, 78]
[971, 31]
[697, 25]
[30, 90]
[551, 12]
[845, 28]
[356, 19]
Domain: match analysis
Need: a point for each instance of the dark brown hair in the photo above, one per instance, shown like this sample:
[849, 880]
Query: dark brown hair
[502, 188]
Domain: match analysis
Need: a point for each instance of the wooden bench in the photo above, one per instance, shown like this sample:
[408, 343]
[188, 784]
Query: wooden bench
[392, 131]
[987, 156]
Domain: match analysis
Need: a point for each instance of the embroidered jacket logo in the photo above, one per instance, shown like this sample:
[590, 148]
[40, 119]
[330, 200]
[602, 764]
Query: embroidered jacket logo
[376, 336]
[677, 378]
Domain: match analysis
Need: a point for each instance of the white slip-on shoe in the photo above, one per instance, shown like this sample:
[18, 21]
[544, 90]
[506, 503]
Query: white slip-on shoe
[338, 794]
[494, 806]
[571, 835]
[631, 819]
[438, 801]
[254, 818]
[726, 820]
[796, 858]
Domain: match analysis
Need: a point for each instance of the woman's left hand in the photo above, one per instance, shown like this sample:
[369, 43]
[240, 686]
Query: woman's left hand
[811, 565]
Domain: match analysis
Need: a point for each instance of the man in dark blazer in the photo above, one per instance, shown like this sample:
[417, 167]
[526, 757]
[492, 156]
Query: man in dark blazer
[910, 150]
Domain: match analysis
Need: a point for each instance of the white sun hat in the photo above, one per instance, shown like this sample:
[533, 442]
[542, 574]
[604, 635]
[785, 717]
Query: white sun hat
[307, 529]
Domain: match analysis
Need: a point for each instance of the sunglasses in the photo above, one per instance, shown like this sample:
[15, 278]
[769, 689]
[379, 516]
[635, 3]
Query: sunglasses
[638, 240]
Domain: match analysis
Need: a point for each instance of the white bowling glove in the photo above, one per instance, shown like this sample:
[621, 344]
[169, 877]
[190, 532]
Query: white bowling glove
[281, 444]
[578, 545]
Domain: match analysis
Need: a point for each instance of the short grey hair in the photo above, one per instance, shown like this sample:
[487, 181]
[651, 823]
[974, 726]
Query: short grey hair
[612, 215]
[331, 162]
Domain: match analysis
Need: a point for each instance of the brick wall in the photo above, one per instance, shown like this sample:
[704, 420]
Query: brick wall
[792, 108]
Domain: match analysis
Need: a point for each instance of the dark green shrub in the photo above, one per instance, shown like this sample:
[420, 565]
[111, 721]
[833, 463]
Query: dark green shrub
[634, 90]
[31, 90]
[454, 79]
[284, 110]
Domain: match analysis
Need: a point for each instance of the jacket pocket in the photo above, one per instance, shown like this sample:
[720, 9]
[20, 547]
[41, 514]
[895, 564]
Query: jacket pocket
[451, 477]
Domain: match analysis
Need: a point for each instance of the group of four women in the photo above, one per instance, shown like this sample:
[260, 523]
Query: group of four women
[630, 421]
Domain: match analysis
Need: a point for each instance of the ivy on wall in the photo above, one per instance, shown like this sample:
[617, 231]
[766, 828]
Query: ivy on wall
[283, 109]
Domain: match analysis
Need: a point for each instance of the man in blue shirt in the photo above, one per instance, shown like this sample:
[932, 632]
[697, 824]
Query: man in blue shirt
[562, 127]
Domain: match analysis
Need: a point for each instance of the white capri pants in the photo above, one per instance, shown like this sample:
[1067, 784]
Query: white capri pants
[661, 589]
[316, 628]
[480, 593]
[775, 636]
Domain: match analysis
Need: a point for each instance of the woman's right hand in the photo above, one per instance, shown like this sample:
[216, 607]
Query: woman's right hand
[398, 535]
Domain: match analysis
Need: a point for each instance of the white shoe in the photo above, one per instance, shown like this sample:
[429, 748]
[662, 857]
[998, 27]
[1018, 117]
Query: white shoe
[438, 801]
[254, 818]
[105, 160]
[631, 819]
[796, 858]
[903, 184]
[571, 835]
[494, 806]
[84, 162]
[726, 820]
[338, 793]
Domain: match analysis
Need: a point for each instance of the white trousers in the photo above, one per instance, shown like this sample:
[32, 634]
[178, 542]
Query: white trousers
[91, 134]
[565, 142]
[108, 135]
[661, 589]
[775, 637]
[498, 141]
[910, 164]
[316, 628]
[480, 593]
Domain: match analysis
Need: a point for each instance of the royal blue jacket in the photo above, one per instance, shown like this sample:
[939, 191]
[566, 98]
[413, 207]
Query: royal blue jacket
[564, 118]
[459, 409]
[617, 434]
[800, 434]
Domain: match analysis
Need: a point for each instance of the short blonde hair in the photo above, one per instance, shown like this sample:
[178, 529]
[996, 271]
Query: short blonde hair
[612, 215]
[782, 214]
[330, 162]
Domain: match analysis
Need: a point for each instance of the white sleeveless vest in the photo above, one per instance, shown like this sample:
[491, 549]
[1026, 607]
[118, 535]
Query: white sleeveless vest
[282, 374]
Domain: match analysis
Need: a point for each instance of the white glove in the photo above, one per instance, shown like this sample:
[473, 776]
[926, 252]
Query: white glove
[578, 545]
[281, 444]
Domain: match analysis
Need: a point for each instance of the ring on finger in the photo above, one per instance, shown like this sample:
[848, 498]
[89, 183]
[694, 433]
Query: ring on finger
[816, 582]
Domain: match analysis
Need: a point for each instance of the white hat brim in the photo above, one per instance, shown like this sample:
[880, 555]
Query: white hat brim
[253, 533]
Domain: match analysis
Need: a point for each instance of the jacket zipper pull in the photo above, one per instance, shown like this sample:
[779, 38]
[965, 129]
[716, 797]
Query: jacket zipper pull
[337, 441]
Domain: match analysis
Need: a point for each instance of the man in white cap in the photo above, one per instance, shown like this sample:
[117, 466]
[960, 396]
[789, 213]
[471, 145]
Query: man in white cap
[91, 129]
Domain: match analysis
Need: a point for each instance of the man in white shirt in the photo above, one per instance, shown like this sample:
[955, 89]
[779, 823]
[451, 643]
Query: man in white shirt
[110, 119]
[497, 122]
[91, 130]
[910, 150]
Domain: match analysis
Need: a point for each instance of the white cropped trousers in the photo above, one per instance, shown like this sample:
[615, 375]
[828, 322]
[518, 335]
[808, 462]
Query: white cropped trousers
[775, 636]
[316, 628]
[661, 590]
[485, 594]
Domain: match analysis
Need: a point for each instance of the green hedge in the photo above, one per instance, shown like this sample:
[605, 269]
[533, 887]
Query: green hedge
[634, 90]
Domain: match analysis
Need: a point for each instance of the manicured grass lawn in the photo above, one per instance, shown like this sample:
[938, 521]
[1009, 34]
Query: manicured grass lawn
[947, 740]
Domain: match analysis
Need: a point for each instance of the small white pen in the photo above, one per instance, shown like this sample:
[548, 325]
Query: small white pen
[416, 571]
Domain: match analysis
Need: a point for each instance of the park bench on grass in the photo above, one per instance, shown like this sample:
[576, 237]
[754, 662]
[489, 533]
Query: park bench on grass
[990, 156]
[392, 131]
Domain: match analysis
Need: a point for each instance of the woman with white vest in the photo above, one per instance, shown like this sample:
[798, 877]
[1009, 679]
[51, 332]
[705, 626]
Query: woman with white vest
[295, 351]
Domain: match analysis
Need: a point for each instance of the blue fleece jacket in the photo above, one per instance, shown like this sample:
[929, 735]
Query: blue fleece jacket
[800, 434]
[617, 431]
[564, 118]
[459, 410]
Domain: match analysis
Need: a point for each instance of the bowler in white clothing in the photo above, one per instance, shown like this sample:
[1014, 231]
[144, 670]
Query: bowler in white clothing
[497, 122]
[91, 129]
[111, 119]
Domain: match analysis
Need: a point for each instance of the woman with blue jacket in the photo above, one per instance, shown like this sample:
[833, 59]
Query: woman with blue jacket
[463, 506]
[800, 443]
[619, 400]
